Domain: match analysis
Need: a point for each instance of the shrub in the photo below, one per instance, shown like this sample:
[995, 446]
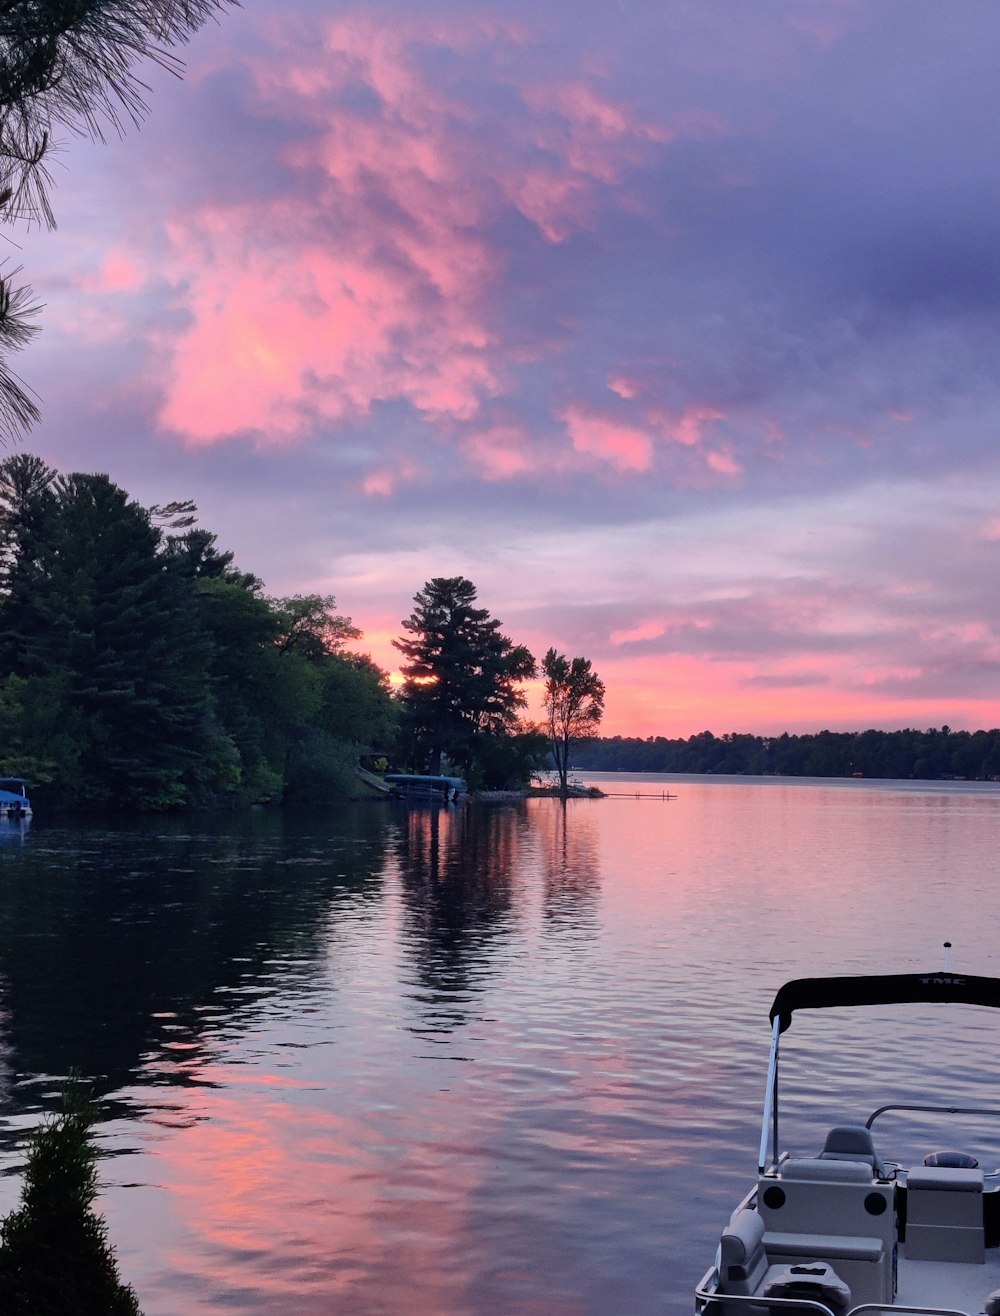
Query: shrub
[55, 1258]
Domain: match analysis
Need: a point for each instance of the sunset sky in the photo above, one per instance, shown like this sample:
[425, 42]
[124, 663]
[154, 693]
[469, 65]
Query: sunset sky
[674, 326]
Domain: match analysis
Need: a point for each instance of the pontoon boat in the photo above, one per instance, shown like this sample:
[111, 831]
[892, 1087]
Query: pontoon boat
[14, 802]
[846, 1232]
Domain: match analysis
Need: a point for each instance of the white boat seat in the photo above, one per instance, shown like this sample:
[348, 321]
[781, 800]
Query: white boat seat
[838, 1247]
[742, 1259]
[853, 1142]
[744, 1267]
[943, 1179]
[944, 1214]
[991, 1307]
[815, 1168]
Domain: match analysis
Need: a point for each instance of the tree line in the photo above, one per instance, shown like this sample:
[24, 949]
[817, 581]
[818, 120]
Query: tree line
[140, 668]
[934, 754]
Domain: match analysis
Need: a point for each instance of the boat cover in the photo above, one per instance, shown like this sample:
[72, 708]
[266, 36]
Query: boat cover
[882, 989]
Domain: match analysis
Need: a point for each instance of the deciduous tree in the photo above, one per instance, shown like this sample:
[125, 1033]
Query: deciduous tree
[574, 706]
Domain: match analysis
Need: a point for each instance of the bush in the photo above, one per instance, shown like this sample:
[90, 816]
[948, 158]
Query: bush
[55, 1258]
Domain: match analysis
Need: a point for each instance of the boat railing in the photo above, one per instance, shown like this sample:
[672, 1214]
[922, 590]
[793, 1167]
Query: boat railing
[932, 1110]
[711, 1304]
[907, 1309]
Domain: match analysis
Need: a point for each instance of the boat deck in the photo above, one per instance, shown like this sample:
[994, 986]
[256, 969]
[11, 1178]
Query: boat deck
[960, 1285]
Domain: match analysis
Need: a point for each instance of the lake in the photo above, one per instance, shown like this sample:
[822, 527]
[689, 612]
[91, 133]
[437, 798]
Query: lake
[498, 1058]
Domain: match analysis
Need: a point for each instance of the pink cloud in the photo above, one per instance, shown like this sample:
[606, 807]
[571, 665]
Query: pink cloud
[690, 427]
[649, 630]
[119, 271]
[500, 452]
[384, 481]
[377, 281]
[624, 387]
[723, 463]
[621, 446]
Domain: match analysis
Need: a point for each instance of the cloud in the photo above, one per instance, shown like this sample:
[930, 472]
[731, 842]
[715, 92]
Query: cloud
[373, 275]
[675, 328]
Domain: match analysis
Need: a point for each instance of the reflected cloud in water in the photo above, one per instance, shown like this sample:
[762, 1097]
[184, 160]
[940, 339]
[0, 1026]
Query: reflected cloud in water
[454, 1060]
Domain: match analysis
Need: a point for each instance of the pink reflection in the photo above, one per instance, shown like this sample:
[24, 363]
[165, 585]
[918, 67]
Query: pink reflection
[304, 1207]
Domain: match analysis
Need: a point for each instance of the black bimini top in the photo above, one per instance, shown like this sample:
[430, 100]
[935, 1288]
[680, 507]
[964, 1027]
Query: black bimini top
[882, 989]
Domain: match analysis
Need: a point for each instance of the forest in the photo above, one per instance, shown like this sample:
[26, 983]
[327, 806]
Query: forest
[936, 754]
[141, 669]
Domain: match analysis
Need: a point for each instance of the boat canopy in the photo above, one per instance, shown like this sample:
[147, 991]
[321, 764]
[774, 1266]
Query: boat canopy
[882, 989]
[425, 781]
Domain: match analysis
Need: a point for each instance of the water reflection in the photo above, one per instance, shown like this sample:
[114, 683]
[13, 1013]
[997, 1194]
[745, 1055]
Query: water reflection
[568, 839]
[449, 1061]
[129, 948]
[459, 875]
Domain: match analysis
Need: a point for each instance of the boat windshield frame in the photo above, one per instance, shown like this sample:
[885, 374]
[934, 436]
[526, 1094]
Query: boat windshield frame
[858, 990]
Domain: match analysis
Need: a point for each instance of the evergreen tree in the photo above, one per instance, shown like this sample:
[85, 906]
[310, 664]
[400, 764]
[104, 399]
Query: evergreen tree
[27, 508]
[139, 667]
[462, 676]
[111, 624]
[55, 1257]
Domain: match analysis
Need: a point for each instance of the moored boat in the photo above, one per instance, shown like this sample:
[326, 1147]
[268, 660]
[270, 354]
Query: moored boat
[846, 1230]
[426, 786]
[14, 802]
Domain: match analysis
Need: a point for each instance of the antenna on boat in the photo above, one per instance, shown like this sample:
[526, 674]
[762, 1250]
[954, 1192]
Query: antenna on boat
[947, 957]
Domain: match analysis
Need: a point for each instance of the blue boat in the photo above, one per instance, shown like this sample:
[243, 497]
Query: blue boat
[14, 802]
[414, 786]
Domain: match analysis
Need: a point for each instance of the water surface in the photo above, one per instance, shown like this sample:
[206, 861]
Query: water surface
[490, 1059]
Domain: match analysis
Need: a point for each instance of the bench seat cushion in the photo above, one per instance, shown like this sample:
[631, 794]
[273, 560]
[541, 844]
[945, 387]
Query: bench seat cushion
[941, 1179]
[821, 1247]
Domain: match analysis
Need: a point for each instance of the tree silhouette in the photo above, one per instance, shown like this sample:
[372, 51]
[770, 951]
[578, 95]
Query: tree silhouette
[462, 679]
[574, 706]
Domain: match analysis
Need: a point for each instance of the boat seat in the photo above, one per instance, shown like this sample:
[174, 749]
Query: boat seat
[944, 1214]
[834, 1211]
[814, 1168]
[745, 1269]
[991, 1307]
[853, 1142]
[743, 1261]
[838, 1247]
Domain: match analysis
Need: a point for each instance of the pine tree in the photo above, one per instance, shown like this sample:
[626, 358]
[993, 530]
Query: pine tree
[112, 623]
[462, 677]
[55, 1257]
